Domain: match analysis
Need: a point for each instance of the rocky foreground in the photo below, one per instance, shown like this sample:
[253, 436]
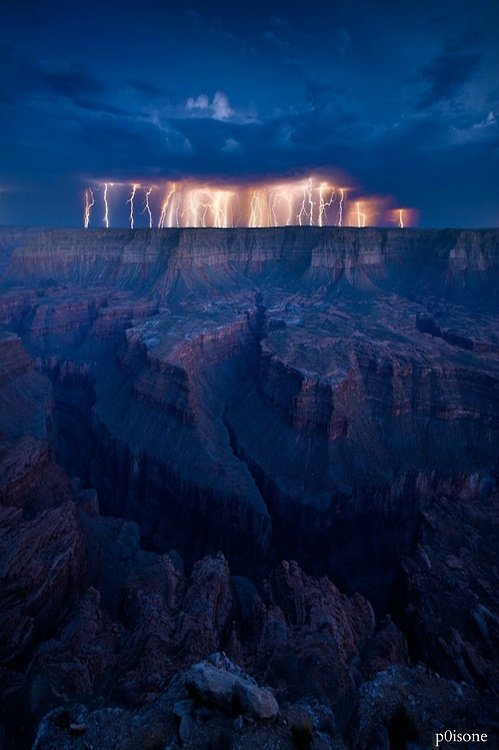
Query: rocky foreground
[248, 487]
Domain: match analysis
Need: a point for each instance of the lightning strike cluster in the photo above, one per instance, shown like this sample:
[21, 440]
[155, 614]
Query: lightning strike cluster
[311, 201]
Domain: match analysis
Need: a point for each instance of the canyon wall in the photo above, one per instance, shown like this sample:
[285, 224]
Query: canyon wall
[265, 392]
[161, 260]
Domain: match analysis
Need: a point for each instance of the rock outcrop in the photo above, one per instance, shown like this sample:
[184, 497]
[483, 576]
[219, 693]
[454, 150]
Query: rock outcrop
[218, 682]
[30, 477]
[447, 602]
[40, 572]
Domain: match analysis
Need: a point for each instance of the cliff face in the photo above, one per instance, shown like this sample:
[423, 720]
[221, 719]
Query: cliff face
[180, 259]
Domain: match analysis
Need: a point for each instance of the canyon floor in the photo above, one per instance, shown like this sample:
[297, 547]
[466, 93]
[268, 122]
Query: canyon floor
[248, 488]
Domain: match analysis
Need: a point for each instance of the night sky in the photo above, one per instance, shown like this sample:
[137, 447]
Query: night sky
[404, 97]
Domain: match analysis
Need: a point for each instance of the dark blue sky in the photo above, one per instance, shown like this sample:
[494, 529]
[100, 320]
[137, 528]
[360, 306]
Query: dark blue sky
[402, 96]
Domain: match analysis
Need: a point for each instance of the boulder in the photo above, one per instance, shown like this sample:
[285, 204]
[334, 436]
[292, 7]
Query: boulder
[217, 680]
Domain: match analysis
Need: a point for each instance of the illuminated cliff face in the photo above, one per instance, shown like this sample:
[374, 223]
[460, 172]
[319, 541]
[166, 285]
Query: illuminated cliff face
[307, 201]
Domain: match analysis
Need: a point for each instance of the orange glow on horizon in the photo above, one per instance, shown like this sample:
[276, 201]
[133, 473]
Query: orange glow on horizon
[369, 211]
[403, 217]
[310, 201]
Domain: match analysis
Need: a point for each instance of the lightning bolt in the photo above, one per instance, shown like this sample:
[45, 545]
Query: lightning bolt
[147, 207]
[130, 201]
[275, 203]
[361, 217]
[256, 210]
[192, 211]
[340, 209]
[288, 197]
[279, 196]
[303, 210]
[107, 185]
[166, 216]
[89, 202]
[324, 204]
[310, 201]
[198, 208]
[221, 208]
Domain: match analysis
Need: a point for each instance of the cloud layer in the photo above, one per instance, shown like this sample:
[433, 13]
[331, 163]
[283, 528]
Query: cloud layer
[407, 103]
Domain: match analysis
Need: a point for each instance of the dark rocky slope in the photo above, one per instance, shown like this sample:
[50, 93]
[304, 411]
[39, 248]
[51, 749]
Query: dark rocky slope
[322, 395]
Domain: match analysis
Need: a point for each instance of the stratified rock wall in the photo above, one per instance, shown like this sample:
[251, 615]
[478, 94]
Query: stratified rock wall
[176, 260]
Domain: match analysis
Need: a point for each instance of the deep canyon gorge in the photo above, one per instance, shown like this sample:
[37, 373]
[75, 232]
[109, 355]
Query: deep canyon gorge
[263, 460]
